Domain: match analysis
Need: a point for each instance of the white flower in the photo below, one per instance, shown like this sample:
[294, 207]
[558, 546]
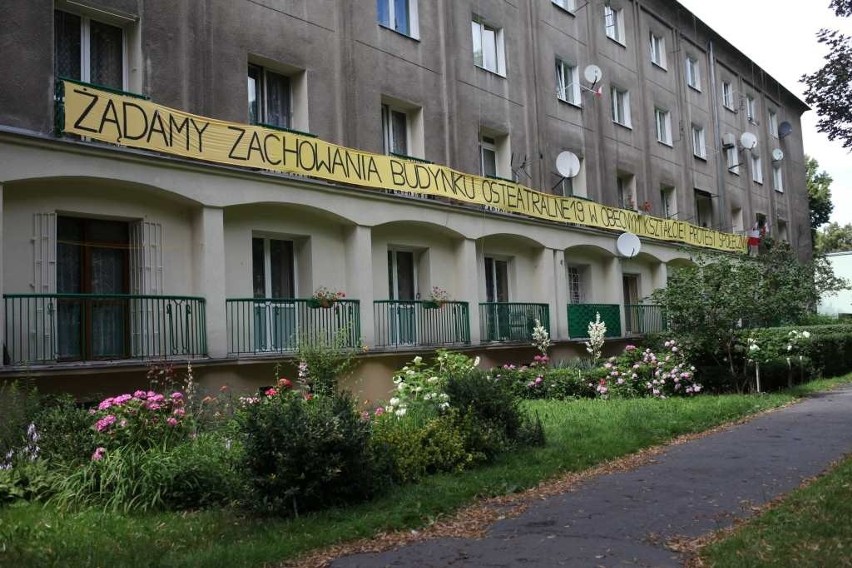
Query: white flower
[432, 380]
[394, 401]
[400, 412]
[418, 359]
[806, 334]
[476, 362]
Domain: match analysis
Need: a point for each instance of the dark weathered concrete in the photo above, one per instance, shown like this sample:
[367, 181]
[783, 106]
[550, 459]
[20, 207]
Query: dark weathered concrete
[623, 519]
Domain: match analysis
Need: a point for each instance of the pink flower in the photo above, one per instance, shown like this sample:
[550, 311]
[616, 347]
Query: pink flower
[106, 403]
[99, 454]
[179, 412]
[105, 422]
[177, 396]
[379, 411]
[630, 348]
[139, 394]
[271, 392]
[172, 421]
[285, 383]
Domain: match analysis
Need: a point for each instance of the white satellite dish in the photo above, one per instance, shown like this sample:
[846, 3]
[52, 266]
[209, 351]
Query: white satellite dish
[748, 140]
[777, 155]
[567, 164]
[628, 245]
[592, 73]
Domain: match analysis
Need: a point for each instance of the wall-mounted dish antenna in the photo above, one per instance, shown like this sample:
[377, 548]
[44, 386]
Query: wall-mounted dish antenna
[593, 74]
[748, 140]
[777, 155]
[567, 164]
[785, 129]
[628, 245]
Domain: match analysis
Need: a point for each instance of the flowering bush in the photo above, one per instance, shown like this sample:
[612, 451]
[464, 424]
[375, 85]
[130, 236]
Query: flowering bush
[541, 340]
[419, 384]
[439, 295]
[323, 295]
[644, 373]
[597, 331]
[142, 419]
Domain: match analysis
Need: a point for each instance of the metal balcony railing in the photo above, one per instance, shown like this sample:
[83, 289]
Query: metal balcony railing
[511, 321]
[579, 316]
[59, 328]
[416, 323]
[259, 326]
[643, 319]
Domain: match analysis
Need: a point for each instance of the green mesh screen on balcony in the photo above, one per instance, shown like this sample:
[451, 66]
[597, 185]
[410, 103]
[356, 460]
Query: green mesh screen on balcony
[579, 316]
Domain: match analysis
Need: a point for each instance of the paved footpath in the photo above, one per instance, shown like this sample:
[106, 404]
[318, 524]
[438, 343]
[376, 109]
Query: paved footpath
[691, 489]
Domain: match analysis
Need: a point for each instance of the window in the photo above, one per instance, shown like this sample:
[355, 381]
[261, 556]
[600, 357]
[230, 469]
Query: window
[727, 95]
[614, 24]
[773, 123]
[693, 73]
[488, 156]
[699, 145]
[663, 120]
[777, 179]
[620, 106]
[576, 289]
[398, 15]
[626, 188]
[89, 50]
[658, 50]
[751, 108]
[756, 168]
[565, 4]
[668, 198]
[394, 130]
[737, 220]
[573, 186]
[567, 83]
[269, 97]
[782, 231]
[488, 48]
[496, 280]
[732, 158]
[703, 208]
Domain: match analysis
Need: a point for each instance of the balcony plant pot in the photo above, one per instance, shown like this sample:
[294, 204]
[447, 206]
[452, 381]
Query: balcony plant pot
[317, 303]
[432, 305]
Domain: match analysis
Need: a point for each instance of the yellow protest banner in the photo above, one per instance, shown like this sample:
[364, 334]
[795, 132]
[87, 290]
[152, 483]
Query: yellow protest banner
[138, 123]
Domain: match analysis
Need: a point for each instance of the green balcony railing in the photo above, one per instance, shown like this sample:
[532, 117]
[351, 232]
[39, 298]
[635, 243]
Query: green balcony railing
[579, 316]
[511, 321]
[643, 318]
[413, 323]
[58, 328]
[277, 325]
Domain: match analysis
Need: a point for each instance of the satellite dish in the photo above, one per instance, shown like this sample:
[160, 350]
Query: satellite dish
[785, 129]
[628, 245]
[777, 155]
[592, 73]
[567, 164]
[748, 140]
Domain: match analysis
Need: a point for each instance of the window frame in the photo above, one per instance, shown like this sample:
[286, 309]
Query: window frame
[487, 143]
[751, 108]
[262, 96]
[615, 30]
[732, 159]
[756, 168]
[668, 201]
[388, 138]
[620, 107]
[693, 73]
[85, 35]
[772, 117]
[391, 23]
[478, 27]
[571, 88]
[699, 141]
[777, 178]
[499, 269]
[728, 95]
[663, 125]
[568, 5]
[576, 285]
[658, 51]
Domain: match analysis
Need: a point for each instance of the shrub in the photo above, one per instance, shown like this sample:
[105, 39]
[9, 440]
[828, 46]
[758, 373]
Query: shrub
[421, 387]
[26, 481]
[304, 452]
[143, 419]
[644, 373]
[204, 472]
[19, 404]
[567, 383]
[66, 433]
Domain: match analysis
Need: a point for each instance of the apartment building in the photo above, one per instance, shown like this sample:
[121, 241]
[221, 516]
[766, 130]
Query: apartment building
[177, 179]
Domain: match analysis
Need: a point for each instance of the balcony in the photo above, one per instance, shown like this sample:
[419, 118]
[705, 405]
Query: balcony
[417, 323]
[641, 319]
[579, 316]
[258, 326]
[506, 322]
[66, 328]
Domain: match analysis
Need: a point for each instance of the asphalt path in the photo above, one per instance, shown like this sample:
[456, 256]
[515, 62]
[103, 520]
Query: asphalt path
[625, 519]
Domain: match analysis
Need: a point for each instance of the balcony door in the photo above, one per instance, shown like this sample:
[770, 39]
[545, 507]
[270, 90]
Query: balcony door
[402, 291]
[92, 258]
[274, 290]
[632, 314]
[499, 320]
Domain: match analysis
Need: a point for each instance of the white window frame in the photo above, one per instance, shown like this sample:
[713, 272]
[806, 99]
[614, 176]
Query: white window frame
[663, 123]
[751, 108]
[777, 179]
[699, 142]
[567, 5]
[772, 116]
[625, 185]
[732, 159]
[480, 32]
[393, 24]
[658, 50]
[86, 47]
[568, 83]
[727, 95]
[262, 95]
[488, 144]
[621, 107]
[498, 265]
[668, 199]
[756, 168]
[693, 73]
[389, 143]
[576, 285]
[614, 24]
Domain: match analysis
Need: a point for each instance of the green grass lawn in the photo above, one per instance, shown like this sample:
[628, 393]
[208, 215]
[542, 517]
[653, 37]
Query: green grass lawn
[811, 527]
[580, 435]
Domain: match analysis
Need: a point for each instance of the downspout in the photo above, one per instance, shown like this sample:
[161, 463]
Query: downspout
[723, 214]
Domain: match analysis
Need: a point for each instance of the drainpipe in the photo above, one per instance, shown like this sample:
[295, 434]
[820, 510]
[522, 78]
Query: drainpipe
[724, 214]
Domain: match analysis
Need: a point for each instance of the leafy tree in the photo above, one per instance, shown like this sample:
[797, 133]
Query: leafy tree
[710, 303]
[829, 89]
[833, 238]
[819, 194]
